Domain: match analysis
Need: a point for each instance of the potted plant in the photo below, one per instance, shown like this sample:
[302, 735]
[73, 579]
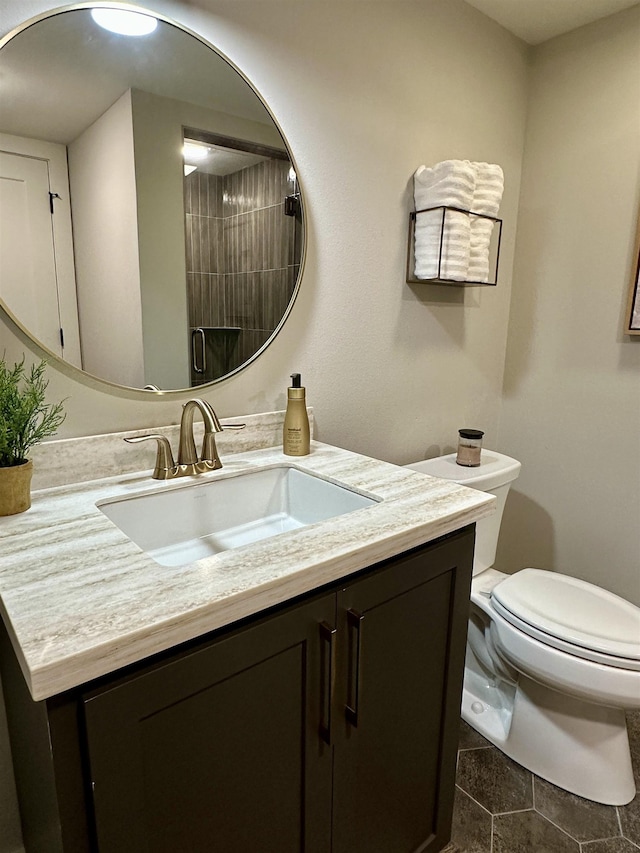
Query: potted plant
[25, 420]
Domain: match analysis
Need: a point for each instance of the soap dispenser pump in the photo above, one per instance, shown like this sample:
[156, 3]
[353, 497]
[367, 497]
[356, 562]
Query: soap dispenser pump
[296, 433]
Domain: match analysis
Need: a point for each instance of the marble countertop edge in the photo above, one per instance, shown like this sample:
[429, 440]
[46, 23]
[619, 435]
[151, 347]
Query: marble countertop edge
[47, 679]
[73, 616]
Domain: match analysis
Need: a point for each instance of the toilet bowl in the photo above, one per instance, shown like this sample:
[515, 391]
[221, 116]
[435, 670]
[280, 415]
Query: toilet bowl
[552, 662]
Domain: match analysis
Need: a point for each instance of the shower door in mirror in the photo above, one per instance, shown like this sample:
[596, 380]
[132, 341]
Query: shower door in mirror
[243, 247]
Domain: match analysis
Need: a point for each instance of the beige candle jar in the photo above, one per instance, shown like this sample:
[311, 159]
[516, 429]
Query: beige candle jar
[469, 447]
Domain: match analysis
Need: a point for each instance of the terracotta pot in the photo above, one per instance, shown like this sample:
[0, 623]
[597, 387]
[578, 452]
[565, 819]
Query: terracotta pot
[15, 488]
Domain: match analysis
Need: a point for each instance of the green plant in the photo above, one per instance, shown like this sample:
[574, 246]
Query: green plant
[25, 419]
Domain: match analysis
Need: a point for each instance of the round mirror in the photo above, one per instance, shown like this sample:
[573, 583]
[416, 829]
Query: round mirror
[151, 224]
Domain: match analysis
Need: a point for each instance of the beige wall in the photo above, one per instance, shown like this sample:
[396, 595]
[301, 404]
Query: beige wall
[103, 206]
[571, 404]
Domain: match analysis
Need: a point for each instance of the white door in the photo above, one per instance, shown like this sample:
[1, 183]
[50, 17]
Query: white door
[29, 284]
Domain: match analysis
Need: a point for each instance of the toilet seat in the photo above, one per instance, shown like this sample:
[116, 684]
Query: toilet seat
[571, 615]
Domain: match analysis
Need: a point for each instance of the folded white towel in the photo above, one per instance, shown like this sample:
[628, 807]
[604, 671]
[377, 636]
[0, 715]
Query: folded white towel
[442, 247]
[487, 196]
[450, 183]
[442, 252]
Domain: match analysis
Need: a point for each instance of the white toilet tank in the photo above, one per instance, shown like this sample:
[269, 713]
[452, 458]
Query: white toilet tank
[494, 475]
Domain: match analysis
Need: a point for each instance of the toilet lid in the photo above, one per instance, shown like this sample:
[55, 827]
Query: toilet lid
[572, 610]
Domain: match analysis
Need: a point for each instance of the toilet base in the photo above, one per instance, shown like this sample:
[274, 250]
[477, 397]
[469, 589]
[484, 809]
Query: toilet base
[576, 745]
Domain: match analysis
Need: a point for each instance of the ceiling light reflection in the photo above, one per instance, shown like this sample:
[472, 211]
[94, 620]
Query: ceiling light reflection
[124, 22]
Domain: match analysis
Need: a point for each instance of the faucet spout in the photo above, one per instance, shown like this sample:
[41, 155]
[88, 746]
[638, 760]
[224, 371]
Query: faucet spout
[187, 455]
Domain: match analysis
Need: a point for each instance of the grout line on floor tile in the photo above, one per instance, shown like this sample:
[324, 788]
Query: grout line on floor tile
[466, 793]
[474, 748]
[607, 838]
[560, 829]
[635, 844]
[566, 832]
[619, 819]
[533, 790]
[516, 811]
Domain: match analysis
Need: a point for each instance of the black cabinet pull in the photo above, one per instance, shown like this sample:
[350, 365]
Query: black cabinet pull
[328, 667]
[354, 622]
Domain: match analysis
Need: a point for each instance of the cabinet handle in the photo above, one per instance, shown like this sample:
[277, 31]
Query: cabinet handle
[354, 622]
[328, 667]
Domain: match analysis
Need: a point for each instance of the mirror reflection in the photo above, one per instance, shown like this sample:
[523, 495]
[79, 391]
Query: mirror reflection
[151, 225]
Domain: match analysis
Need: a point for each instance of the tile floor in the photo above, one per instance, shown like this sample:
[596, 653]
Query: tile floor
[502, 808]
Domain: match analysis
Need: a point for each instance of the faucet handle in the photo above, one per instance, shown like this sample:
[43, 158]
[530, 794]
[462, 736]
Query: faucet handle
[209, 450]
[209, 458]
[165, 465]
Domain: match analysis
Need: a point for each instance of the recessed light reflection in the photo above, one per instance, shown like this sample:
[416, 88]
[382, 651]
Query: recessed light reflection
[195, 152]
[124, 22]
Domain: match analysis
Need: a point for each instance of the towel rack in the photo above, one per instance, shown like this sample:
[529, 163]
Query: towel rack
[496, 241]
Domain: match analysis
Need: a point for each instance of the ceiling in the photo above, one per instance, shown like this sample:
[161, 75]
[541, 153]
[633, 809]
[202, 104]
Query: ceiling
[535, 21]
[87, 69]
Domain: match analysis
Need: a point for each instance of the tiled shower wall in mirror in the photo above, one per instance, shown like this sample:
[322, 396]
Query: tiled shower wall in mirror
[243, 258]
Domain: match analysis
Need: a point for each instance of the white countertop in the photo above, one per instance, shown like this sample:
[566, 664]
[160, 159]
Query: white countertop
[80, 600]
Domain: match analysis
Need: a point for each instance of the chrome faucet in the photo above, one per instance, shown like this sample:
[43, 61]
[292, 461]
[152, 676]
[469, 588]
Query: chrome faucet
[188, 463]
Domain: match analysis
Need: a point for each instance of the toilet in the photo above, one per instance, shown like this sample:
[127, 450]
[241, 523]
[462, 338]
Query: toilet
[552, 662]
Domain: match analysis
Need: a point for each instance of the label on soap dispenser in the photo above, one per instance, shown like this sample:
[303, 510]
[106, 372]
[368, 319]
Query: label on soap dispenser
[294, 442]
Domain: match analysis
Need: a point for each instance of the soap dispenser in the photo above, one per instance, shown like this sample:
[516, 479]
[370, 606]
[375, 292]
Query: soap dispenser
[295, 433]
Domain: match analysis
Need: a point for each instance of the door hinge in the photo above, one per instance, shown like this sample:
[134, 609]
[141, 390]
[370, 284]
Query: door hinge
[51, 198]
[62, 338]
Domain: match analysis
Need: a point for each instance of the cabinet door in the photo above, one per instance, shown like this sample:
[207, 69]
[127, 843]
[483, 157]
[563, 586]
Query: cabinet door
[402, 634]
[219, 750]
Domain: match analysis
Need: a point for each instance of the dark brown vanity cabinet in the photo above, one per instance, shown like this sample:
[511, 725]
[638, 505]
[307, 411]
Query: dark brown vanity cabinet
[326, 726]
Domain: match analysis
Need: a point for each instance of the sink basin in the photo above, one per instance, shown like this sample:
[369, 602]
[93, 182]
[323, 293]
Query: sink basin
[178, 524]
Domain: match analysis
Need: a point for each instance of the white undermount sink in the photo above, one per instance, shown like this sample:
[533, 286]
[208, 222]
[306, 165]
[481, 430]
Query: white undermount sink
[183, 522]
